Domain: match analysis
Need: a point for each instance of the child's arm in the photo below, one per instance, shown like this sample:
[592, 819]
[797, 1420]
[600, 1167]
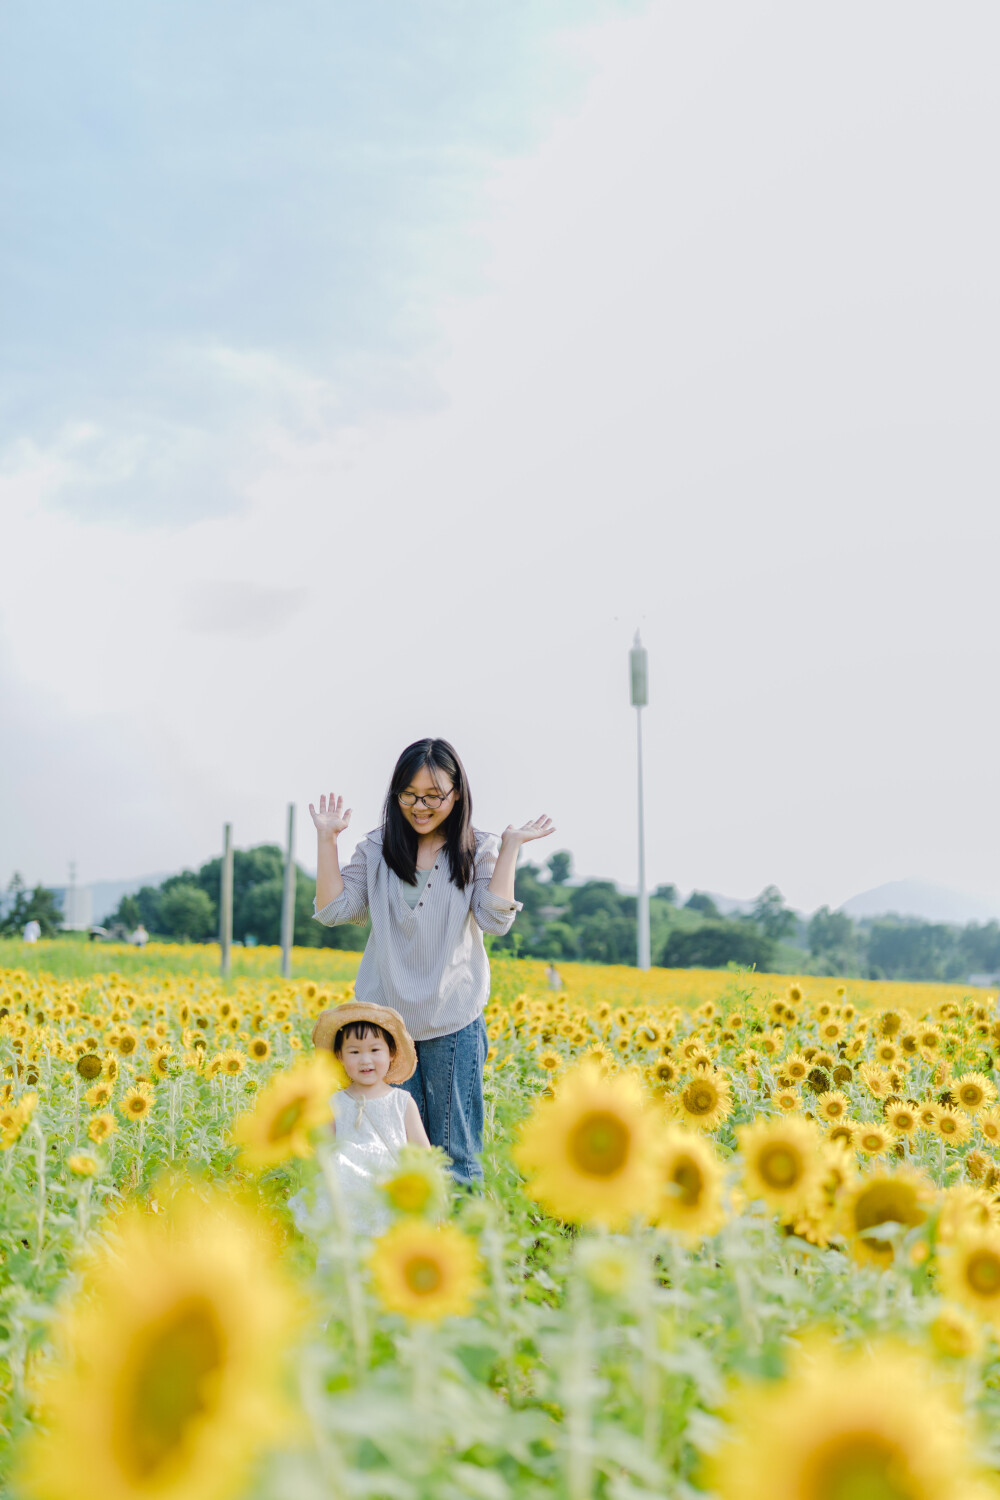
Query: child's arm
[415, 1132]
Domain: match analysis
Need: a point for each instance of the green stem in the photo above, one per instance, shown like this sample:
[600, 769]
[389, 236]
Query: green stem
[347, 1254]
[40, 1211]
[577, 1393]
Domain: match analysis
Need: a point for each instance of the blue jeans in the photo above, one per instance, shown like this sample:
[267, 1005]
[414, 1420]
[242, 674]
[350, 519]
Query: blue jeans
[448, 1088]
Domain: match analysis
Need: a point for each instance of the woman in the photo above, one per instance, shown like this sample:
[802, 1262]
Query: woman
[432, 885]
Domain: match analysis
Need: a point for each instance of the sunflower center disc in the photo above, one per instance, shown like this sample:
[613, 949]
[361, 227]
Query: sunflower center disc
[423, 1275]
[599, 1144]
[862, 1468]
[780, 1167]
[168, 1389]
[982, 1272]
[286, 1120]
[687, 1177]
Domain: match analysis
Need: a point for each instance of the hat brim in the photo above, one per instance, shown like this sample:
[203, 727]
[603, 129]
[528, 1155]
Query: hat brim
[329, 1022]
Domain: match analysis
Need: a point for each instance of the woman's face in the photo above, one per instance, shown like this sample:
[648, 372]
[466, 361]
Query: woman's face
[421, 817]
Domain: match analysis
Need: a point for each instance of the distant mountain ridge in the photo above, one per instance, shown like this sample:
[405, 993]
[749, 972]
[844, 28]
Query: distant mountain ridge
[919, 898]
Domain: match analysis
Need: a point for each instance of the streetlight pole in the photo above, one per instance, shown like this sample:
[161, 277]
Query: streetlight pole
[640, 697]
[288, 898]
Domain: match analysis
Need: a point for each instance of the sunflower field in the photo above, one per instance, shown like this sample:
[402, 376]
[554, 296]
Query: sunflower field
[740, 1237]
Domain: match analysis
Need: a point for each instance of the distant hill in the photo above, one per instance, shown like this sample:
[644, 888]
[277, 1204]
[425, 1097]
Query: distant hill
[918, 898]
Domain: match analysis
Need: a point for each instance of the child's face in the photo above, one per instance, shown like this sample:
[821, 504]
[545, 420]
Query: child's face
[366, 1059]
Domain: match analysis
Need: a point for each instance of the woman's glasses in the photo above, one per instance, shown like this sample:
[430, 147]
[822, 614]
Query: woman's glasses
[432, 800]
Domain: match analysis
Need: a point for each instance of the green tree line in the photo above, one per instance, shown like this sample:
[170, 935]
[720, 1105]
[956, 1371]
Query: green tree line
[590, 921]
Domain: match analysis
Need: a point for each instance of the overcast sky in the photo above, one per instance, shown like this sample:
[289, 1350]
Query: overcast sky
[372, 372]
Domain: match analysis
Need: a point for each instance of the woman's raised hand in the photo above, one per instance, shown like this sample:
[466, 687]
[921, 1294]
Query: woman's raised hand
[331, 818]
[540, 828]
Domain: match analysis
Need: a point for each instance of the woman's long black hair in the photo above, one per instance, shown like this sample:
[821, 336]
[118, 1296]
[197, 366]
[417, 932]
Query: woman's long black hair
[399, 838]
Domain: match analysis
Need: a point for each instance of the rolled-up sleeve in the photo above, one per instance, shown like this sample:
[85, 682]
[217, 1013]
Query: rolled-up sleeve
[352, 903]
[492, 913]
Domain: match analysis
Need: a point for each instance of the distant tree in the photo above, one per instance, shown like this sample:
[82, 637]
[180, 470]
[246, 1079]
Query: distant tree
[829, 931]
[529, 890]
[715, 944]
[702, 901]
[186, 911]
[595, 896]
[980, 948]
[607, 938]
[21, 905]
[560, 866]
[260, 911]
[898, 949]
[667, 893]
[128, 913]
[556, 940]
[772, 916]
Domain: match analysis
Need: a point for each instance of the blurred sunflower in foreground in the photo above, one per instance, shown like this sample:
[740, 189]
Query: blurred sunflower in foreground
[294, 1104]
[847, 1426]
[166, 1380]
[425, 1271]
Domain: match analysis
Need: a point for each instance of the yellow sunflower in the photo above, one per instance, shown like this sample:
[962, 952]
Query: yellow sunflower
[787, 1100]
[136, 1102]
[883, 1197]
[419, 1182]
[833, 1106]
[294, 1103]
[952, 1125]
[781, 1162]
[590, 1150]
[169, 1362]
[970, 1274]
[82, 1164]
[89, 1066]
[100, 1127]
[973, 1091]
[99, 1094]
[705, 1101]
[872, 1139]
[689, 1203]
[954, 1333]
[964, 1209]
[846, 1426]
[425, 1271]
[902, 1118]
[989, 1124]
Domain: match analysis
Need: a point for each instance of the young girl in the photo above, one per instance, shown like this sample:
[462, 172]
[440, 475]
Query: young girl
[371, 1117]
[432, 885]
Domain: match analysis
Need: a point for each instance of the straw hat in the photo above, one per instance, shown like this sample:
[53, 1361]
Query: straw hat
[329, 1022]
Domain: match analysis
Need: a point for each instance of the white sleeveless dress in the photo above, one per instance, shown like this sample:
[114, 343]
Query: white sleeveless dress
[369, 1135]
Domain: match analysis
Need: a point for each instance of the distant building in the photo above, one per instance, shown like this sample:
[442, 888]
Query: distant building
[552, 913]
[984, 981]
[77, 902]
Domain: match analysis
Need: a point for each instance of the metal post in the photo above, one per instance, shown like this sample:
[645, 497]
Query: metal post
[640, 697]
[288, 898]
[226, 901]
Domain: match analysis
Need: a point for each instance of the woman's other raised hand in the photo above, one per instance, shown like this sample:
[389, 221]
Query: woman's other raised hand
[538, 828]
[331, 818]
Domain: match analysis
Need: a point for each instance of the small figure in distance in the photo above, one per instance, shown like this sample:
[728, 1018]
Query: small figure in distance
[140, 937]
[554, 977]
[32, 931]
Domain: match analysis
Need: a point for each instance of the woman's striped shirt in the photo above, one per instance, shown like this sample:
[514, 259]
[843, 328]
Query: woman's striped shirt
[430, 963]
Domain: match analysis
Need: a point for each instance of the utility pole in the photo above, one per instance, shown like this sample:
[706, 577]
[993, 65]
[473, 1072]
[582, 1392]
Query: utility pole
[640, 697]
[288, 898]
[226, 901]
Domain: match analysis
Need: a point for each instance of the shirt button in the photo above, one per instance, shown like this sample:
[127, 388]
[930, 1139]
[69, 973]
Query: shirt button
[420, 903]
